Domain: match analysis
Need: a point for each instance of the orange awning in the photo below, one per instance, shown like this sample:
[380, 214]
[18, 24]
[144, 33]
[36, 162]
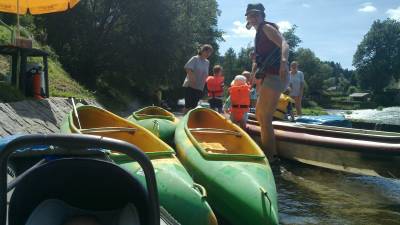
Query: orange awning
[36, 6]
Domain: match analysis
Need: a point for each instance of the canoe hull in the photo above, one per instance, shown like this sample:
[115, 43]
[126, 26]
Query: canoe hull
[337, 153]
[177, 192]
[174, 184]
[242, 192]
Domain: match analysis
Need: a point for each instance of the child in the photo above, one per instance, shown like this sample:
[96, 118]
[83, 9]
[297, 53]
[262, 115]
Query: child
[215, 87]
[253, 91]
[239, 101]
[290, 105]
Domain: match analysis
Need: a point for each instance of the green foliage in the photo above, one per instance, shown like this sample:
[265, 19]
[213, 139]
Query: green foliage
[235, 64]
[122, 47]
[352, 89]
[5, 35]
[377, 58]
[60, 83]
[314, 111]
[293, 40]
[230, 65]
[314, 71]
[9, 93]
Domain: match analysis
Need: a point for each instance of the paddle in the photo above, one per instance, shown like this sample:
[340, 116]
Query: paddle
[76, 113]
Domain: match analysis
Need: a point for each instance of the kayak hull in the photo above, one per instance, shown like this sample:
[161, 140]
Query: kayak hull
[157, 120]
[177, 191]
[240, 187]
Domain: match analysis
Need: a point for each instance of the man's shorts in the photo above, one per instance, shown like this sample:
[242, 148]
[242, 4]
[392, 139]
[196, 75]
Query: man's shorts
[192, 97]
[274, 82]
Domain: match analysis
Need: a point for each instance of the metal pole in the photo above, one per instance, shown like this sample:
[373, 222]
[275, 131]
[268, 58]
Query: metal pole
[17, 18]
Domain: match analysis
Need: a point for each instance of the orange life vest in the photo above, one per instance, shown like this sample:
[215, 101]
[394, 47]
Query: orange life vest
[215, 86]
[240, 101]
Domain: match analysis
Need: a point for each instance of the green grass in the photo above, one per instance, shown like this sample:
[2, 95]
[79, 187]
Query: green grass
[314, 111]
[62, 85]
[60, 82]
[9, 93]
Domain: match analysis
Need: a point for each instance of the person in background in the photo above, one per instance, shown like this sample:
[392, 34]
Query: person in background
[196, 74]
[215, 88]
[271, 54]
[289, 108]
[296, 85]
[238, 102]
[253, 91]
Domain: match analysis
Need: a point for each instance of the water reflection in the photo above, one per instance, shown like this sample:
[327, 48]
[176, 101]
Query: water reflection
[311, 195]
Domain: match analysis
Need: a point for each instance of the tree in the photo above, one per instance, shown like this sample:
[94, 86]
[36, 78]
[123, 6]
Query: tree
[293, 40]
[243, 59]
[229, 65]
[315, 72]
[131, 46]
[377, 59]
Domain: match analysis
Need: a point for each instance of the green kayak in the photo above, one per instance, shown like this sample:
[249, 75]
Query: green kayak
[179, 195]
[157, 120]
[230, 165]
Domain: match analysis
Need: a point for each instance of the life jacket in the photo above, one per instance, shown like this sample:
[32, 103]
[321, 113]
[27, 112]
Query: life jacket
[240, 101]
[282, 107]
[266, 48]
[215, 86]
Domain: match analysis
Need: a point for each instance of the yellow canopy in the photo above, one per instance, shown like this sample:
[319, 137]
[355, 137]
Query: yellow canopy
[36, 6]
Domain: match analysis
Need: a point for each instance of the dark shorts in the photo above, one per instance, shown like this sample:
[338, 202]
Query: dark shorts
[192, 97]
[215, 103]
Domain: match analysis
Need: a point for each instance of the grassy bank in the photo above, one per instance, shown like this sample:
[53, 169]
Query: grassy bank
[314, 111]
[60, 82]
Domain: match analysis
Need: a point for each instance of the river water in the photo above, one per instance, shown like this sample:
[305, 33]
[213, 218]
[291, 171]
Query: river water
[390, 115]
[311, 195]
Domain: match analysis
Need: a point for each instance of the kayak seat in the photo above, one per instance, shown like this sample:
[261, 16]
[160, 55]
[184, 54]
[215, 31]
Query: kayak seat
[69, 186]
[212, 147]
[54, 211]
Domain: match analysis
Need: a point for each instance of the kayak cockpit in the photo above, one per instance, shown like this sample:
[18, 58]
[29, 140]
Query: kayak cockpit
[153, 112]
[214, 136]
[97, 121]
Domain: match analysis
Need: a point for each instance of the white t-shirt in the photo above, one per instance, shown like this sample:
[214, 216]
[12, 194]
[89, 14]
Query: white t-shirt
[199, 67]
[295, 82]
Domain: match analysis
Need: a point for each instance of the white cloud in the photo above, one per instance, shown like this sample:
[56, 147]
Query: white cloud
[367, 7]
[394, 13]
[240, 30]
[305, 5]
[284, 25]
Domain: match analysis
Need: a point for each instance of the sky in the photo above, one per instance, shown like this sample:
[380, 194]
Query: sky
[332, 29]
